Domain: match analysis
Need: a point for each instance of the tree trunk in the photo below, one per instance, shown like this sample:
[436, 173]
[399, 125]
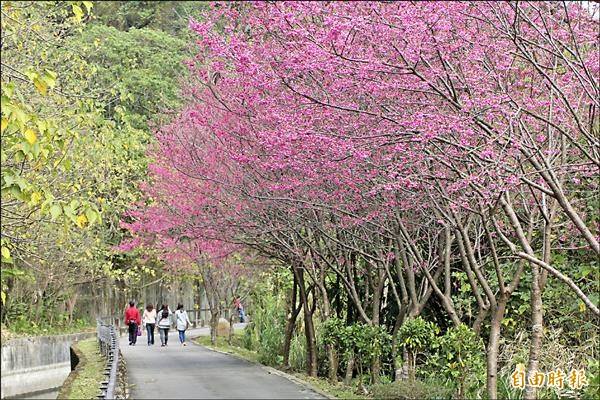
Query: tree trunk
[214, 321]
[395, 330]
[412, 365]
[290, 324]
[333, 363]
[481, 314]
[405, 364]
[349, 370]
[232, 317]
[337, 298]
[537, 320]
[537, 317]
[309, 329]
[493, 346]
[377, 292]
[71, 305]
[332, 357]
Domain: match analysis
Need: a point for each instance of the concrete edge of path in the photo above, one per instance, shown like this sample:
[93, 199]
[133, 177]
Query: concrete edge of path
[275, 371]
[297, 380]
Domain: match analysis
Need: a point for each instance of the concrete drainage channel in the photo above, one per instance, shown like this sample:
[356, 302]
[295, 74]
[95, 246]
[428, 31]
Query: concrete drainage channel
[37, 367]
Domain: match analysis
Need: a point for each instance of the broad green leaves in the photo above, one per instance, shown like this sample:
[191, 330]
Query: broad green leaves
[417, 334]
[366, 342]
[55, 211]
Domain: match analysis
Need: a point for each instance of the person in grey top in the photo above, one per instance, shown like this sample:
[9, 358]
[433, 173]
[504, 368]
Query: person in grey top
[163, 321]
[182, 322]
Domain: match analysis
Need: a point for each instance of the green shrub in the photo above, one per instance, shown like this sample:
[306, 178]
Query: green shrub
[298, 352]
[340, 336]
[409, 390]
[459, 357]
[365, 342]
[270, 329]
[247, 337]
[416, 335]
[370, 342]
[592, 391]
[265, 333]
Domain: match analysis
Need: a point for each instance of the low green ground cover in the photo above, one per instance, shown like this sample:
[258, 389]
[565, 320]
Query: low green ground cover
[25, 329]
[84, 382]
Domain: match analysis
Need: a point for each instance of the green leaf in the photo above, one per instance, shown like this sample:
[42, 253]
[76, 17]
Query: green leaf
[8, 180]
[8, 88]
[91, 215]
[50, 77]
[69, 212]
[55, 211]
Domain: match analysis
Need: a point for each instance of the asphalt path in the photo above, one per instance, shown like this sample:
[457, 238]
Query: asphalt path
[195, 372]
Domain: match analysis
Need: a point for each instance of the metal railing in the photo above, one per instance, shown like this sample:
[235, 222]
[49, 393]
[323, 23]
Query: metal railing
[109, 347]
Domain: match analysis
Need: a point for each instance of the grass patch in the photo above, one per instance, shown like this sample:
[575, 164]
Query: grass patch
[236, 348]
[16, 331]
[407, 390]
[89, 372]
[339, 391]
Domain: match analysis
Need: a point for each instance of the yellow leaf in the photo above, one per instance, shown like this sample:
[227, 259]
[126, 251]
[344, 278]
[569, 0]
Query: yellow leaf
[40, 85]
[5, 252]
[35, 198]
[581, 306]
[520, 367]
[30, 136]
[77, 11]
[81, 220]
[88, 5]
[4, 124]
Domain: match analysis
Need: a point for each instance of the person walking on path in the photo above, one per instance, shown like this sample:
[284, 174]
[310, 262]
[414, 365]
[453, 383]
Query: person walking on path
[132, 320]
[149, 320]
[182, 322]
[240, 308]
[163, 320]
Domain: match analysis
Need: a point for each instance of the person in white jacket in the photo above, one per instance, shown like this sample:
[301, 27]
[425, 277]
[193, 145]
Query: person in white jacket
[163, 321]
[149, 321]
[182, 322]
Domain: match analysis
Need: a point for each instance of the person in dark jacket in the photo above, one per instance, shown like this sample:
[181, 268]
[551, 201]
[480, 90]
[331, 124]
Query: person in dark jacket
[133, 319]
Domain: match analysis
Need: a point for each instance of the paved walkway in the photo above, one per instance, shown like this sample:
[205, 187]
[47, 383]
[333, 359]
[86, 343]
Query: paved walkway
[195, 372]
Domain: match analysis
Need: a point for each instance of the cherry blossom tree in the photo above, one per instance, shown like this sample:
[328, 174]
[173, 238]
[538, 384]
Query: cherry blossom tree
[390, 141]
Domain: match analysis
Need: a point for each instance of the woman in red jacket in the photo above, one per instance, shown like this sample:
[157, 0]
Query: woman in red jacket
[132, 320]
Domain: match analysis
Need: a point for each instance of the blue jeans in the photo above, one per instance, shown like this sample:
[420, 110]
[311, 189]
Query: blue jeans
[164, 335]
[242, 315]
[150, 332]
[181, 336]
